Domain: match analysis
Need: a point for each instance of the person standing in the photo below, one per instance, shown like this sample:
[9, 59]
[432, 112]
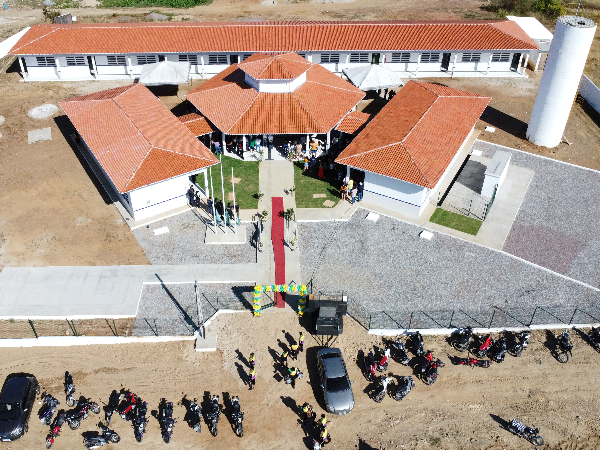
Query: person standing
[237, 213]
[321, 173]
[209, 206]
[284, 358]
[252, 377]
[309, 414]
[354, 192]
[323, 422]
[252, 360]
[299, 149]
[294, 351]
[343, 190]
[350, 184]
[305, 164]
[360, 191]
[301, 342]
[325, 439]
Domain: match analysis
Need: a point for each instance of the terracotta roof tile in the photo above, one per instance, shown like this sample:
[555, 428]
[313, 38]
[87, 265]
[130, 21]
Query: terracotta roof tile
[236, 108]
[416, 135]
[134, 137]
[253, 37]
[353, 122]
[197, 124]
[286, 66]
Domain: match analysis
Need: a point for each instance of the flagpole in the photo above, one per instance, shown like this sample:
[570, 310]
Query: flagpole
[214, 200]
[234, 211]
[223, 191]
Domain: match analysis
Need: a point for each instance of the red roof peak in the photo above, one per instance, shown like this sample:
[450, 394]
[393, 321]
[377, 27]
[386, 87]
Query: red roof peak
[283, 66]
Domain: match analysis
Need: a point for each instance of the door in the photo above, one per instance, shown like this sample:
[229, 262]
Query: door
[375, 58]
[233, 59]
[90, 64]
[514, 65]
[445, 61]
[161, 58]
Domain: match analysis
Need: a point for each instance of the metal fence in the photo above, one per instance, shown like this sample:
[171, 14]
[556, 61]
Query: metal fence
[494, 317]
[21, 329]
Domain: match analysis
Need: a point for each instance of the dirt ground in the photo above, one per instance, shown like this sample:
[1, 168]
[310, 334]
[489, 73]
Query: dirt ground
[463, 409]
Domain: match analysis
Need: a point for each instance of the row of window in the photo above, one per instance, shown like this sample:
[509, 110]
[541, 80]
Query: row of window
[222, 59]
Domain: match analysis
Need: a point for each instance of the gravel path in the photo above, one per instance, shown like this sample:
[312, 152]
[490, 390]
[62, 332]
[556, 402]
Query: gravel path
[558, 225]
[184, 244]
[171, 310]
[385, 266]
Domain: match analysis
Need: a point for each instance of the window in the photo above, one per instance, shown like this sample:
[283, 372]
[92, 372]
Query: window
[76, 61]
[149, 59]
[400, 57]
[430, 57]
[500, 57]
[192, 59]
[217, 59]
[47, 61]
[246, 56]
[330, 58]
[359, 57]
[302, 54]
[116, 60]
[471, 57]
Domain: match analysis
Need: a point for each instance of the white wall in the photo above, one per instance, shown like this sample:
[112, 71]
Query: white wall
[276, 86]
[590, 92]
[394, 194]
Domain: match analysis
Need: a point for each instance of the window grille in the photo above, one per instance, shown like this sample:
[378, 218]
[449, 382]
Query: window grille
[76, 61]
[430, 57]
[217, 59]
[246, 56]
[330, 58]
[500, 57]
[116, 60]
[471, 57]
[400, 57]
[47, 61]
[359, 57]
[192, 59]
[147, 59]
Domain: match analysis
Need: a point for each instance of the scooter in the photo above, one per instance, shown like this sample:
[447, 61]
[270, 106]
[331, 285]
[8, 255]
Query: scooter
[165, 418]
[108, 436]
[563, 347]
[405, 384]
[237, 416]
[472, 362]
[462, 338]
[48, 408]
[111, 407]
[381, 390]
[213, 415]
[196, 416]
[69, 390]
[401, 352]
[531, 434]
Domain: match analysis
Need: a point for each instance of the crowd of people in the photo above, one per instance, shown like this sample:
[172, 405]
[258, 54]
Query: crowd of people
[215, 208]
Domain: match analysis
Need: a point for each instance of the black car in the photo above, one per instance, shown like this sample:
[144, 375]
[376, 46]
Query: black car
[16, 402]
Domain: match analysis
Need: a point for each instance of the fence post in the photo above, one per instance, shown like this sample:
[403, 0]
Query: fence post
[532, 316]
[451, 317]
[34, 332]
[492, 319]
[410, 321]
[73, 328]
[573, 316]
[369, 321]
[116, 331]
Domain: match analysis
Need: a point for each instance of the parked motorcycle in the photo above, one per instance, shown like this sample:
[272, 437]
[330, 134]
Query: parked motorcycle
[531, 434]
[48, 409]
[370, 366]
[381, 389]
[520, 341]
[55, 428]
[80, 413]
[593, 338]
[405, 384]
[430, 369]
[462, 338]
[165, 418]
[498, 350]
[402, 356]
[417, 341]
[127, 407]
[139, 420]
[237, 416]
[213, 415]
[563, 347]
[384, 361]
[196, 416]
[111, 407]
[483, 345]
[108, 436]
[472, 362]
[69, 390]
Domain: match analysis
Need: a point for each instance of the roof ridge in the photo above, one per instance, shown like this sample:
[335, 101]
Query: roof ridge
[414, 163]
[154, 147]
[369, 151]
[493, 25]
[306, 109]
[36, 39]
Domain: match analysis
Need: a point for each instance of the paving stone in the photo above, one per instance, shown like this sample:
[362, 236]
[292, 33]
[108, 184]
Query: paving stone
[319, 195]
[329, 203]
[39, 135]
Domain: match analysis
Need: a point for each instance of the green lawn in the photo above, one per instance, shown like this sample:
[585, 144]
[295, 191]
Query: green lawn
[246, 189]
[308, 183]
[456, 221]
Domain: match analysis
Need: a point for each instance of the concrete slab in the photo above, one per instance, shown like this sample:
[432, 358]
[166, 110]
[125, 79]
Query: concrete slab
[206, 343]
[329, 203]
[39, 135]
[319, 195]
[220, 237]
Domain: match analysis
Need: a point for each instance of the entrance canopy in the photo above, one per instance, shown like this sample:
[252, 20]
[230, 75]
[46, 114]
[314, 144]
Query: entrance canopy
[372, 77]
[165, 72]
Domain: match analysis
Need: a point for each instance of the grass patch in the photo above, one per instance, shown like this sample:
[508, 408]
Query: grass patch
[151, 3]
[246, 189]
[456, 221]
[308, 183]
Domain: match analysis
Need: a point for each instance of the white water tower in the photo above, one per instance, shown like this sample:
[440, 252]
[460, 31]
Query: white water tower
[568, 54]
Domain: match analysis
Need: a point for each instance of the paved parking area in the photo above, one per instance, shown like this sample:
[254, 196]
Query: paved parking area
[385, 266]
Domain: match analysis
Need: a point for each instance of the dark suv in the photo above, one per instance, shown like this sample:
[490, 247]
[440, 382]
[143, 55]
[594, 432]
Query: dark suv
[16, 402]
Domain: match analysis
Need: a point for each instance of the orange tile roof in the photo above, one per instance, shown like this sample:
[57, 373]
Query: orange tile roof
[236, 108]
[253, 37]
[353, 122]
[197, 124]
[286, 66]
[135, 138]
[416, 135]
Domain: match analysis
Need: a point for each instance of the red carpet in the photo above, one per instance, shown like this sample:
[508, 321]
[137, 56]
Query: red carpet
[278, 245]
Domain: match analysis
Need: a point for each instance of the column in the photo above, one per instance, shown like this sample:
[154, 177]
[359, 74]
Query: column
[223, 143]
[57, 67]
[243, 143]
[206, 183]
[307, 141]
[525, 64]
[328, 141]
[454, 63]
[348, 172]
[22, 68]
[94, 66]
[129, 66]
[418, 63]
[489, 64]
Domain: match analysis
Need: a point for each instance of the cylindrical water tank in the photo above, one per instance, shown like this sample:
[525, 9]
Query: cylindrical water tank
[568, 53]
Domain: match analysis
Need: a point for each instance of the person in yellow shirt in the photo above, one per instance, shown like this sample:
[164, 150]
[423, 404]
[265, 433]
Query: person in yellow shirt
[252, 378]
[252, 360]
[294, 351]
[325, 439]
[323, 422]
[301, 342]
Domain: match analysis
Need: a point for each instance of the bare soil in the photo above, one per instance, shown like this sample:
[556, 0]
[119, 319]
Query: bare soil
[464, 409]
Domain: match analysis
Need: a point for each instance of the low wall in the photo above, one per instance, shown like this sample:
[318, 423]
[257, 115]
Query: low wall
[590, 92]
